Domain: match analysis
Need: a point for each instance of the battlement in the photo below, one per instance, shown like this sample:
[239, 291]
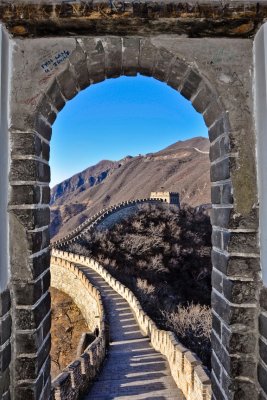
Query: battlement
[167, 197]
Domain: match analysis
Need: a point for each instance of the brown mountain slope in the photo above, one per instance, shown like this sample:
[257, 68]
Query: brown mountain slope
[183, 167]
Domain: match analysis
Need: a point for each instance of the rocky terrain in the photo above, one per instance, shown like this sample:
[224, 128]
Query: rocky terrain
[183, 167]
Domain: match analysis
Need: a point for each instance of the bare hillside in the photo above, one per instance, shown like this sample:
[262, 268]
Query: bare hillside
[183, 167]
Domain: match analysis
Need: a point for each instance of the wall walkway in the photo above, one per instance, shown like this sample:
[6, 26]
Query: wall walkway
[144, 362]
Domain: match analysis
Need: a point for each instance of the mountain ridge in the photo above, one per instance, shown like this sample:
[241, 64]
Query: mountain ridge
[183, 166]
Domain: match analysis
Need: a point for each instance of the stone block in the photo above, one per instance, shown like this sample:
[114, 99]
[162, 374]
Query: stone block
[203, 98]
[213, 113]
[190, 84]
[78, 61]
[38, 241]
[232, 314]
[67, 83]
[220, 170]
[262, 376]
[45, 151]
[113, 56]
[244, 242]
[217, 280]
[33, 218]
[263, 351]
[5, 329]
[130, 55]
[45, 194]
[5, 358]
[5, 302]
[42, 126]
[45, 108]
[242, 342]
[216, 194]
[216, 366]
[263, 325]
[4, 382]
[263, 298]
[217, 390]
[220, 127]
[25, 194]
[30, 318]
[239, 389]
[163, 61]
[216, 325]
[55, 95]
[215, 151]
[29, 170]
[240, 292]
[25, 144]
[147, 57]
[94, 49]
[220, 217]
[27, 293]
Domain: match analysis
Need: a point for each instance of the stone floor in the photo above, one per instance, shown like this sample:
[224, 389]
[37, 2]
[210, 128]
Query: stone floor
[133, 369]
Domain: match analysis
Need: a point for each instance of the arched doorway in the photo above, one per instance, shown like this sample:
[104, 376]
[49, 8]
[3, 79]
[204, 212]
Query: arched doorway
[40, 90]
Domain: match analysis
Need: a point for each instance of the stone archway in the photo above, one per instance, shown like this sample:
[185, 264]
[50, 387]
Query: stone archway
[218, 88]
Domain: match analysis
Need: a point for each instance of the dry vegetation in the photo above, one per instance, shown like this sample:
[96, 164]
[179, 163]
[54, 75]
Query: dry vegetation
[67, 327]
[163, 255]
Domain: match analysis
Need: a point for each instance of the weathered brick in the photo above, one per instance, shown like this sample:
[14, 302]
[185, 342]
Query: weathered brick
[28, 318]
[213, 113]
[39, 264]
[29, 343]
[67, 84]
[263, 298]
[217, 390]
[25, 144]
[55, 95]
[239, 342]
[220, 127]
[78, 59]
[219, 261]
[220, 217]
[42, 126]
[263, 351]
[4, 383]
[33, 218]
[190, 84]
[216, 325]
[130, 55]
[176, 73]
[216, 194]
[232, 314]
[217, 280]
[96, 59]
[238, 389]
[163, 61]
[38, 241]
[203, 99]
[215, 151]
[29, 170]
[220, 170]
[262, 376]
[25, 194]
[5, 302]
[5, 329]
[45, 151]
[263, 325]
[46, 110]
[147, 57]
[240, 292]
[5, 358]
[113, 56]
[216, 366]
[27, 293]
[244, 242]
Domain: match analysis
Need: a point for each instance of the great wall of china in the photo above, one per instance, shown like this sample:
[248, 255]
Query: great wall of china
[77, 276]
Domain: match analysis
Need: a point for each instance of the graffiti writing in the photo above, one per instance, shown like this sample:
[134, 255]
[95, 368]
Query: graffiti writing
[54, 61]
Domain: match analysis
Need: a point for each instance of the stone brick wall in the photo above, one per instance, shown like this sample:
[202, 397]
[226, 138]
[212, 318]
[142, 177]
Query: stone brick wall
[67, 278]
[73, 382]
[186, 369]
[5, 345]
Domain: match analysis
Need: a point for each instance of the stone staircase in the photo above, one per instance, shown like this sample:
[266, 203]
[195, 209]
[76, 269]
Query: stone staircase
[133, 369]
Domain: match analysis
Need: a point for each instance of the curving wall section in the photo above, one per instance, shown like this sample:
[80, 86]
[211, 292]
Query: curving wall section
[77, 376]
[100, 218]
[187, 371]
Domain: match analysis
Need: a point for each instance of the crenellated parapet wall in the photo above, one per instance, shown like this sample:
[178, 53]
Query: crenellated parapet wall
[99, 219]
[187, 371]
[77, 376]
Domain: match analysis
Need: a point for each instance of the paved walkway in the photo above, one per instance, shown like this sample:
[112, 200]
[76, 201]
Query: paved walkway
[133, 369]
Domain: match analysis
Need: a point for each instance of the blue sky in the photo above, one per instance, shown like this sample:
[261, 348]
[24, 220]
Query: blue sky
[119, 117]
